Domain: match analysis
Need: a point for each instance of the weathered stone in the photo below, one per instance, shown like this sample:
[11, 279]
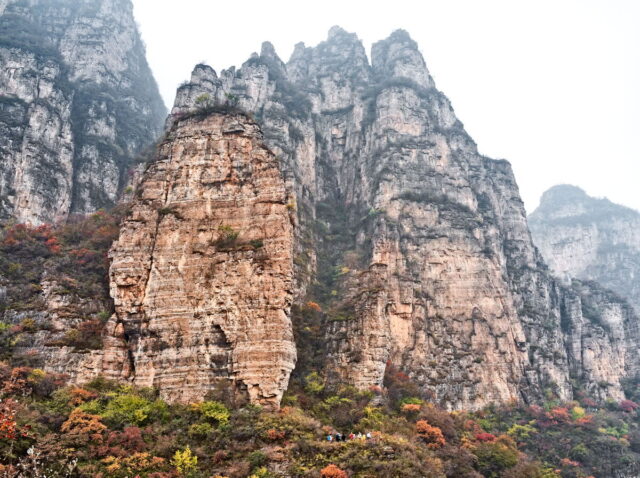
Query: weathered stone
[202, 272]
[77, 103]
[447, 284]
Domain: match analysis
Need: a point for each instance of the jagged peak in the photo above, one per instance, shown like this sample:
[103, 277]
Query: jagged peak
[398, 56]
[402, 36]
[268, 50]
[203, 70]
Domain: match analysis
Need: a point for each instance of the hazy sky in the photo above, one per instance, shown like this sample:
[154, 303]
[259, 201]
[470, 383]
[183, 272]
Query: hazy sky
[550, 85]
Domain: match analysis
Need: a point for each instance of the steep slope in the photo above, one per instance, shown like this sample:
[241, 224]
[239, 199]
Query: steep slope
[77, 103]
[415, 245]
[201, 274]
[590, 239]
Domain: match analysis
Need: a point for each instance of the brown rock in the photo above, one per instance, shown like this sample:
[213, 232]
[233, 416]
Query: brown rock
[202, 272]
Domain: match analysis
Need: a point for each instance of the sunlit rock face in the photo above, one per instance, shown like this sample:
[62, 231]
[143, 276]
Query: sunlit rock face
[589, 239]
[77, 103]
[202, 273]
[417, 246]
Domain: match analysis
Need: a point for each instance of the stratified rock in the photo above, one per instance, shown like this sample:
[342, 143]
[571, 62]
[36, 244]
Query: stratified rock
[415, 244]
[77, 103]
[202, 272]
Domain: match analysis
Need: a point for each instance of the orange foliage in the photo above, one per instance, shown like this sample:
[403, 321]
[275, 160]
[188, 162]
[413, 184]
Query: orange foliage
[8, 425]
[411, 408]
[273, 434]
[83, 426]
[561, 414]
[80, 395]
[332, 471]
[314, 306]
[432, 436]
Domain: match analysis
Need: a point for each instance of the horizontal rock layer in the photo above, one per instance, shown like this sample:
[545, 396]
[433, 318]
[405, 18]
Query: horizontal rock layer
[415, 244]
[201, 275]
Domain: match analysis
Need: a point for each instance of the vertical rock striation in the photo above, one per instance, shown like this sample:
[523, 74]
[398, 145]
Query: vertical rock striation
[416, 246]
[202, 272]
[77, 103]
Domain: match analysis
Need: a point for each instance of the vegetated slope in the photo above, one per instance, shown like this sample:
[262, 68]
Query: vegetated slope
[77, 103]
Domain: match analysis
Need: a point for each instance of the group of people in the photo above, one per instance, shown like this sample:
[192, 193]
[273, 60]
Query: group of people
[351, 436]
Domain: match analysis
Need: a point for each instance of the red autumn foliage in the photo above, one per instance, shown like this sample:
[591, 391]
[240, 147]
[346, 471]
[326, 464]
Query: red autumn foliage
[8, 426]
[485, 437]
[561, 414]
[628, 406]
[432, 436]
[122, 444]
[274, 435]
[332, 471]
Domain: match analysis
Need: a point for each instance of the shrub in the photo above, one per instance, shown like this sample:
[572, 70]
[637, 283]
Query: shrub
[185, 461]
[314, 383]
[496, 456]
[332, 471]
[432, 436]
[128, 409]
[81, 427]
[226, 236]
[214, 411]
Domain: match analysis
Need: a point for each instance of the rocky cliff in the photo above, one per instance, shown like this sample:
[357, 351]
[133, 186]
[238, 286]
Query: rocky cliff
[409, 248]
[589, 239]
[414, 245]
[77, 103]
[202, 272]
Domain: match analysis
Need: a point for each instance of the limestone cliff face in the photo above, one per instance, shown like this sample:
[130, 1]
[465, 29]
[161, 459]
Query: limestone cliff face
[416, 246]
[202, 272]
[77, 103]
[589, 239]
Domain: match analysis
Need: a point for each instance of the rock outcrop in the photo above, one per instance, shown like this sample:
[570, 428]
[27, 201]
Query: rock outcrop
[415, 245]
[591, 239]
[77, 103]
[202, 272]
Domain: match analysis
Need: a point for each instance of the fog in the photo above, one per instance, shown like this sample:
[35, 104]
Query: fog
[552, 86]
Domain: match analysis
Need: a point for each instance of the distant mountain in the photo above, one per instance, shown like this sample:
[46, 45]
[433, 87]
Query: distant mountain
[590, 239]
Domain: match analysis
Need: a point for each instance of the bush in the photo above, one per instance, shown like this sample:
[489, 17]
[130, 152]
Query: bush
[215, 411]
[432, 436]
[332, 471]
[185, 461]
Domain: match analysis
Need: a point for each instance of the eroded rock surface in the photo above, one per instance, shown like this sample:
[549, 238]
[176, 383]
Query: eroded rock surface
[202, 272]
[416, 246]
[77, 103]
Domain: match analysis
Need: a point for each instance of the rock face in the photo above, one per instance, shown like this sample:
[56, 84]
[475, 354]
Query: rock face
[589, 239]
[77, 103]
[415, 245]
[202, 273]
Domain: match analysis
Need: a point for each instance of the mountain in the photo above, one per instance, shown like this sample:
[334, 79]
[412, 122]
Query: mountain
[410, 248]
[77, 103]
[587, 238]
[326, 218]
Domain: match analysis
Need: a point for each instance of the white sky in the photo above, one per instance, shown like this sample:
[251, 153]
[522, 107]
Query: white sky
[550, 85]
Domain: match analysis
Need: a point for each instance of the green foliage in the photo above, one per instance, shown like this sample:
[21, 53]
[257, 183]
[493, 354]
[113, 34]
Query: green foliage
[185, 461]
[314, 383]
[215, 411]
